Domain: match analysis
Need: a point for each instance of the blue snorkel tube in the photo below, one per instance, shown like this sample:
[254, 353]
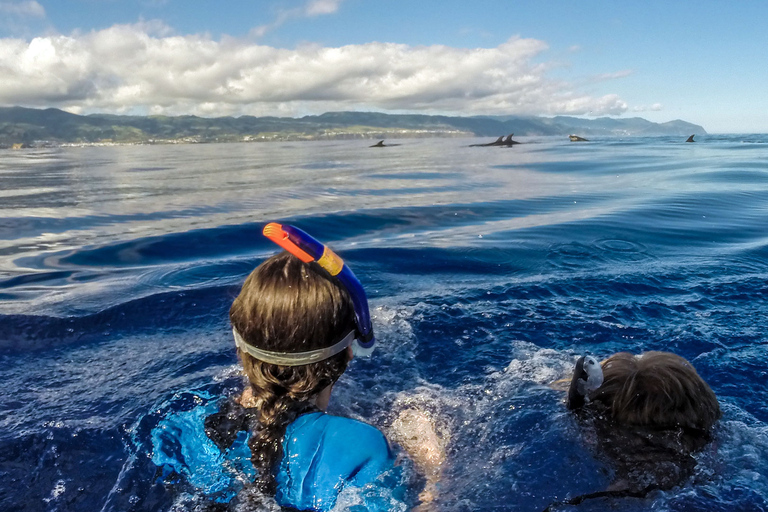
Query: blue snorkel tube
[309, 250]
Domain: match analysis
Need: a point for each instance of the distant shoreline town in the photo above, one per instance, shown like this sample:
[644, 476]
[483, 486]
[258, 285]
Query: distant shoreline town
[25, 127]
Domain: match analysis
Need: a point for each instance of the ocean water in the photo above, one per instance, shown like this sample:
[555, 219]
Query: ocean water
[488, 270]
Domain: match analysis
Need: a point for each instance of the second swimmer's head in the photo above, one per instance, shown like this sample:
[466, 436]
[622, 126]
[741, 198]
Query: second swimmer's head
[656, 389]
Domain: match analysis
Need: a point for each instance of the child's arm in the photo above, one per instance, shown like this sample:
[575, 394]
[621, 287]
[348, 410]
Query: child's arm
[415, 432]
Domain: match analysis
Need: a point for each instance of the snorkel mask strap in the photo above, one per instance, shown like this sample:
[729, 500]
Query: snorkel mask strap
[309, 250]
[293, 358]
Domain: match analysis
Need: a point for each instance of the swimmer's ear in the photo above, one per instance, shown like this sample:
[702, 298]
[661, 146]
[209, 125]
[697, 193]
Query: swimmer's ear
[587, 376]
[350, 354]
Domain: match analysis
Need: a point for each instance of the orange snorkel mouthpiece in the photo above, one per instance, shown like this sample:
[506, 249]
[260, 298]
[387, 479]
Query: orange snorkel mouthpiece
[277, 234]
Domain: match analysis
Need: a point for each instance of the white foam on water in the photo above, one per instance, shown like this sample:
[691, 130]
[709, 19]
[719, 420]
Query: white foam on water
[467, 419]
[380, 495]
[59, 488]
[542, 366]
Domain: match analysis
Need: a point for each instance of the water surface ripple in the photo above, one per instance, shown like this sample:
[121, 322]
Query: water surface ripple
[488, 270]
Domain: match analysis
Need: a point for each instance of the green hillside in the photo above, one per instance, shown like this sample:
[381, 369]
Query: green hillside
[19, 125]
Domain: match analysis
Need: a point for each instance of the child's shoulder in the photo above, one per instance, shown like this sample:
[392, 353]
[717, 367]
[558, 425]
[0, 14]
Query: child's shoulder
[337, 430]
[326, 453]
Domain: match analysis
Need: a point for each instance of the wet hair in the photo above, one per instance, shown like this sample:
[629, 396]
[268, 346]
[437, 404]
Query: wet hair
[286, 305]
[652, 412]
[656, 389]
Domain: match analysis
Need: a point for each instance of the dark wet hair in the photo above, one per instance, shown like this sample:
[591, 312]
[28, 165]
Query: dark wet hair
[652, 412]
[656, 389]
[286, 305]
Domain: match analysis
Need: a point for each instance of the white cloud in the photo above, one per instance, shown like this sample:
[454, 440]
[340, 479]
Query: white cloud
[310, 9]
[656, 107]
[613, 76]
[142, 68]
[319, 7]
[28, 8]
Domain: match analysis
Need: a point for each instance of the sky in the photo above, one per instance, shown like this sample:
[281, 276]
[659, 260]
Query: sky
[702, 61]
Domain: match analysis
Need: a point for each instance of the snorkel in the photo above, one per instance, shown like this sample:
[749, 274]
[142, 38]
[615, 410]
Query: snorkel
[309, 250]
[587, 377]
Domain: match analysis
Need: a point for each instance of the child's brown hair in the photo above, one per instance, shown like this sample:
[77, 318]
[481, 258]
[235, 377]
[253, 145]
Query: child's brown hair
[286, 305]
[650, 414]
[656, 389]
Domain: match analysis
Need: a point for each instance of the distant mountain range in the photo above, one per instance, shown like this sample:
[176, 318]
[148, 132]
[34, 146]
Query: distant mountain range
[25, 126]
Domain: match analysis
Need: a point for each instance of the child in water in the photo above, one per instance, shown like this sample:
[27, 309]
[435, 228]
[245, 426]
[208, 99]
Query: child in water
[295, 323]
[650, 413]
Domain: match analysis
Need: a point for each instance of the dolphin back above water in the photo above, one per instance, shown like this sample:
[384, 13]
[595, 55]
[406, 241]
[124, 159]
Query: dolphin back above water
[381, 144]
[501, 142]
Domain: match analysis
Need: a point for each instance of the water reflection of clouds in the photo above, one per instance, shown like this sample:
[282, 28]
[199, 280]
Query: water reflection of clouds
[471, 234]
[430, 192]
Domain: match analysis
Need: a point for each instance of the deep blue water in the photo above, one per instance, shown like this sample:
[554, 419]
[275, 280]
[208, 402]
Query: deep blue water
[488, 270]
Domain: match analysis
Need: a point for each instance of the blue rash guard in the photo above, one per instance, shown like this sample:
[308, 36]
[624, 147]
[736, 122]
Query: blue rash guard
[181, 447]
[323, 455]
